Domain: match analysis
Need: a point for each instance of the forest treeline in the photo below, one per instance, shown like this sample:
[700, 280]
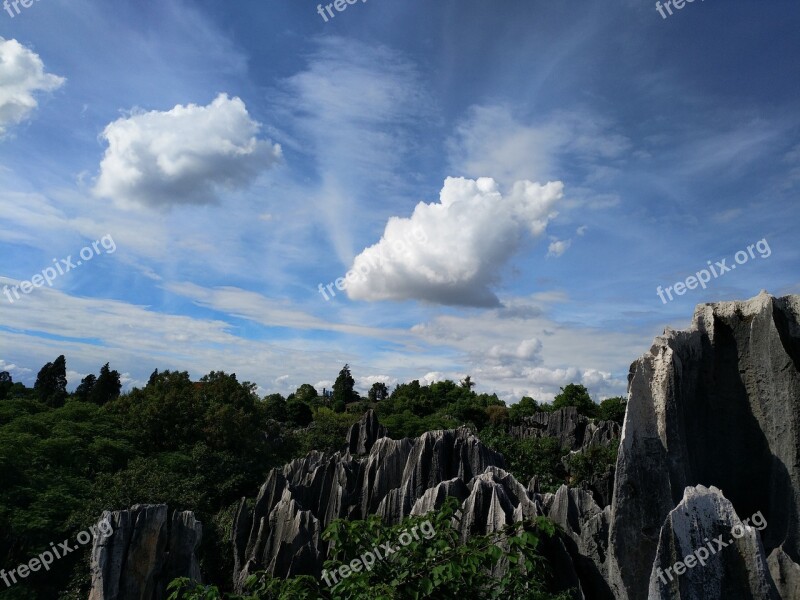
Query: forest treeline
[202, 445]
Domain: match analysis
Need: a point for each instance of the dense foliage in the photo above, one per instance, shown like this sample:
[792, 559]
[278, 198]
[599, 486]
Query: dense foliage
[202, 445]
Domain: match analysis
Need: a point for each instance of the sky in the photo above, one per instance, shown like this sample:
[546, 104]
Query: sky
[515, 188]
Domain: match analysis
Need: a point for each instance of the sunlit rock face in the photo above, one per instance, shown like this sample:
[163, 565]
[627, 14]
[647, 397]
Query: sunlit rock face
[717, 405]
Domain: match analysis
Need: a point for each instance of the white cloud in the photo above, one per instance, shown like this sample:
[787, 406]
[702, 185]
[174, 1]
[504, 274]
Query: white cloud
[21, 76]
[186, 155]
[558, 247]
[527, 350]
[365, 382]
[517, 350]
[451, 252]
[14, 370]
[582, 229]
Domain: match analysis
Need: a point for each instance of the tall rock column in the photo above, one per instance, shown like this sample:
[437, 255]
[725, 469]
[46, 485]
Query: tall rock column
[718, 405]
[145, 551]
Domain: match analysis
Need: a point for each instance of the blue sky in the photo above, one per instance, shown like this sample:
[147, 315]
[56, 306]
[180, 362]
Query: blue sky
[510, 183]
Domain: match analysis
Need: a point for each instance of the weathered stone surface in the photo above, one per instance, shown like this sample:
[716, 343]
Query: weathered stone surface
[602, 487]
[383, 472]
[706, 520]
[715, 405]
[572, 430]
[434, 498]
[495, 500]
[785, 573]
[363, 435]
[282, 534]
[146, 551]
[585, 527]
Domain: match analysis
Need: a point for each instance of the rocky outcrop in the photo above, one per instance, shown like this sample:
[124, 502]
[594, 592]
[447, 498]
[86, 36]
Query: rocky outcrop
[585, 527]
[282, 532]
[716, 405]
[572, 430]
[146, 550]
[363, 435]
[705, 551]
[785, 573]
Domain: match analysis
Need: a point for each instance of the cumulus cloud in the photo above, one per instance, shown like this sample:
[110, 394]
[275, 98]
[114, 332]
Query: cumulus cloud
[451, 252]
[558, 247]
[186, 155]
[14, 370]
[527, 350]
[21, 76]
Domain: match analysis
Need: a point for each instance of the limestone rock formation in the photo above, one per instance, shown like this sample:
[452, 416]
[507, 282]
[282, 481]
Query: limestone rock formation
[720, 557]
[717, 405]
[585, 526]
[282, 532]
[363, 435]
[572, 430]
[785, 574]
[147, 549]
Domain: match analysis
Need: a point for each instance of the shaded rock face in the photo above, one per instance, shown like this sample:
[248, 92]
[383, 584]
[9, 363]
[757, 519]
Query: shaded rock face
[147, 549]
[363, 435]
[282, 532]
[718, 405]
[572, 430]
[585, 527]
[732, 562]
[785, 574]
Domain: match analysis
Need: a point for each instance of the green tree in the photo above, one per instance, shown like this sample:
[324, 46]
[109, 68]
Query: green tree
[613, 409]
[307, 393]
[298, 413]
[343, 387]
[275, 407]
[526, 407]
[467, 383]
[6, 383]
[51, 383]
[578, 396]
[84, 390]
[107, 387]
[328, 431]
[498, 415]
[529, 457]
[378, 392]
[591, 462]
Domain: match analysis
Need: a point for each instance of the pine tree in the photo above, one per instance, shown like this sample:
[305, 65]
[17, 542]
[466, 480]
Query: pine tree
[343, 388]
